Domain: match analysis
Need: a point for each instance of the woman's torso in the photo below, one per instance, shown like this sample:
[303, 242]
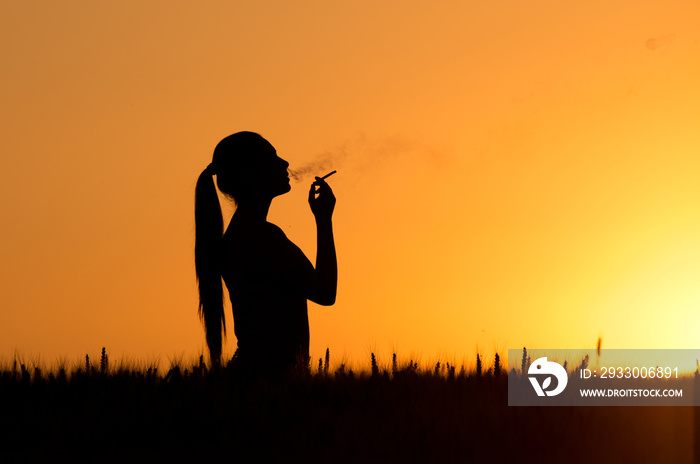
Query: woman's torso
[266, 275]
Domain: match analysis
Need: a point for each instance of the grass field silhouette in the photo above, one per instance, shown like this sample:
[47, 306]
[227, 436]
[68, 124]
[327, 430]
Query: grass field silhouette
[400, 412]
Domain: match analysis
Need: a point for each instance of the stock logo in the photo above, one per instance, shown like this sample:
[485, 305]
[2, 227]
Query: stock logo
[541, 367]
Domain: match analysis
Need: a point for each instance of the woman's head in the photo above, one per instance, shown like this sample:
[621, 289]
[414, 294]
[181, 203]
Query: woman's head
[247, 167]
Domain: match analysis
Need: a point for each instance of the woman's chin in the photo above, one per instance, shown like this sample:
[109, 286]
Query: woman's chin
[284, 189]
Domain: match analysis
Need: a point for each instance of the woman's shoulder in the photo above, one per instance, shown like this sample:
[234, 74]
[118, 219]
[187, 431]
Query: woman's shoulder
[276, 238]
[274, 229]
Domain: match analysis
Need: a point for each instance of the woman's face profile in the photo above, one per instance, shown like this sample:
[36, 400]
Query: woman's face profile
[249, 168]
[273, 170]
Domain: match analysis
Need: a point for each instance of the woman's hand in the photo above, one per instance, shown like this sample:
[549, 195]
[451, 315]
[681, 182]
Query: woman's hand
[321, 199]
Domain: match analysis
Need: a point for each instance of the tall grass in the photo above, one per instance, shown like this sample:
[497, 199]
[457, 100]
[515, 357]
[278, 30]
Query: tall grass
[400, 412]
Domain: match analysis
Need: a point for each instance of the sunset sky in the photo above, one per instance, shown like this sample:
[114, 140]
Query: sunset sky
[509, 173]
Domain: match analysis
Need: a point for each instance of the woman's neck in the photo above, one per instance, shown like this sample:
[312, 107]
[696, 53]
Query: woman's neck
[253, 210]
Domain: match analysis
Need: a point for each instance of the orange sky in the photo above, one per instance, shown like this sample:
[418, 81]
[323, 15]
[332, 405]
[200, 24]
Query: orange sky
[509, 174]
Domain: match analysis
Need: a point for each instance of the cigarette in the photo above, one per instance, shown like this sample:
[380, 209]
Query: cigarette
[328, 175]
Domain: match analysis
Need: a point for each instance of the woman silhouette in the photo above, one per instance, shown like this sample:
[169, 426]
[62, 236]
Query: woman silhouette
[268, 278]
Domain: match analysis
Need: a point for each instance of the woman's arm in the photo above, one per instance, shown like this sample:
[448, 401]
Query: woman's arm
[326, 262]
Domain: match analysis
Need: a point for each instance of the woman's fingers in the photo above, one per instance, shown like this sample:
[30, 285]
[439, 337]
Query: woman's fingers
[321, 184]
[325, 201]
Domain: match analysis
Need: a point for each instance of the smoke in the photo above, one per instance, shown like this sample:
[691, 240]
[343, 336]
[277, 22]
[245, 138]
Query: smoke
[319, 167]
[322, 165]
[364, 156]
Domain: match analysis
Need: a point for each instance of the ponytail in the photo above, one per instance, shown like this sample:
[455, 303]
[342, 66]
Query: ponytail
[209, 230]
